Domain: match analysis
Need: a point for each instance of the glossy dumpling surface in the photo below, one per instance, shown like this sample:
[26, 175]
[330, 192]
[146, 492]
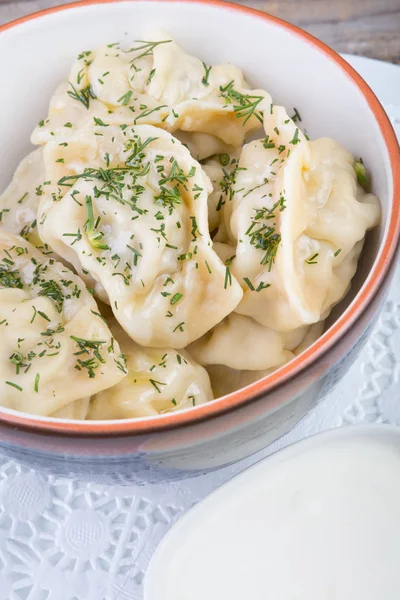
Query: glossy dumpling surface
[76, 410]
[297, 221]
[20, 201]
[226, 379]
[136, 221]
[55, 346]
[214, 251]
[159, 380]
[241, 343]
[154, 82]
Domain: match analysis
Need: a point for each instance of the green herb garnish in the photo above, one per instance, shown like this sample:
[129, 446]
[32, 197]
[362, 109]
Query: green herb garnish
[361, 172]
[244, 105]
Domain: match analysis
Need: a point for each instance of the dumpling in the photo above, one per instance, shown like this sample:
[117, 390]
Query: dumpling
[215, 100]
[70, 114]
[136, 221]
[76, 410]
[241, 343]
[297, 221]
[20, 201]
[222, 172]
[314, 332]
[225, 379]
[203, 145]
[159, 380]
[154, 82]
[55, 346]
[104, 92]
[19, 205]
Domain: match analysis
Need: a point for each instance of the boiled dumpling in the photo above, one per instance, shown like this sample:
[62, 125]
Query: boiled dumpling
[76, 410]
[225, 379]
[297, 222]
[52, 333]
[19, 205]
[241, 343]
[203, 145]
[215, 100]
[136, 221]
[99, 88]
[222, 172]
[313, 333]
[154, 82]
[159, 380]
[19, 202]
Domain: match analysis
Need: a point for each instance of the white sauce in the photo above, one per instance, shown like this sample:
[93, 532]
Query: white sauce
[320, 521]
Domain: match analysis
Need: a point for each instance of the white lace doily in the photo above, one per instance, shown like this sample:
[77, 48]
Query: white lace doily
[67, 540]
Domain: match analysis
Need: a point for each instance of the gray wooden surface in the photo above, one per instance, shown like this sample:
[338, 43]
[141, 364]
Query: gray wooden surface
[366, 27]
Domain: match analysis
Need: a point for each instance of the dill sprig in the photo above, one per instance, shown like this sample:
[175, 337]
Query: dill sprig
[156, 384]
[228, 277]
[147, 47]
[94, 237]
[177, 175]
[227, 184]
[10, 278]
[148, 111]
[244, 105]
[51, 289]
[126, 98]
[264, 236]
[88, 347]
[311, 260]
[83, 95]
[137, 147]
[168, 197]
[206, 76]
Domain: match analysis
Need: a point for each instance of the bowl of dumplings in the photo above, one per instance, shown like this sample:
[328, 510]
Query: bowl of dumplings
[197, 229]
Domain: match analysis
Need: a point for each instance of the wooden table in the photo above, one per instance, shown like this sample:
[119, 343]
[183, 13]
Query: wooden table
[366, 27]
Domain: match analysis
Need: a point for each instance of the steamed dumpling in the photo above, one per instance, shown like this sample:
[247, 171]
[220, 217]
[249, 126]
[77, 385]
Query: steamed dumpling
[55, 346]
[159, 380]
[154, 82]
[136, 221]
[297, 222]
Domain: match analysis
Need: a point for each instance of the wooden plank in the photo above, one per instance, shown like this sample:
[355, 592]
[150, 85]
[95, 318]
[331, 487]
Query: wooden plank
[366, 27]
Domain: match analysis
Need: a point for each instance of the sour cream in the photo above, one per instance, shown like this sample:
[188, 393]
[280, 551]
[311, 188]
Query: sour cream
[317, 521]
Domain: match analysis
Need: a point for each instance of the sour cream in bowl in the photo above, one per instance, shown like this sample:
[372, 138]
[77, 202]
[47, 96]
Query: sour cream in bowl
[316, 521]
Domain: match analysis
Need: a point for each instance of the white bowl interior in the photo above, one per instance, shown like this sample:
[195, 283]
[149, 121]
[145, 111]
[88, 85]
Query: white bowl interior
[37, 54]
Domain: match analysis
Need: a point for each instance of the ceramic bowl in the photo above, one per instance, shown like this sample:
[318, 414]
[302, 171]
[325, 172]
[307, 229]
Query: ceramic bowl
[304, 523]
[299, 71]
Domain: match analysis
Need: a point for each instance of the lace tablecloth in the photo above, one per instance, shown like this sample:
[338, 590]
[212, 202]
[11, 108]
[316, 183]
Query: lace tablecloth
[66, 540]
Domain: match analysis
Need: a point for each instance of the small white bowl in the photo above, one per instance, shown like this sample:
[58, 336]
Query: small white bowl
[316, 521]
